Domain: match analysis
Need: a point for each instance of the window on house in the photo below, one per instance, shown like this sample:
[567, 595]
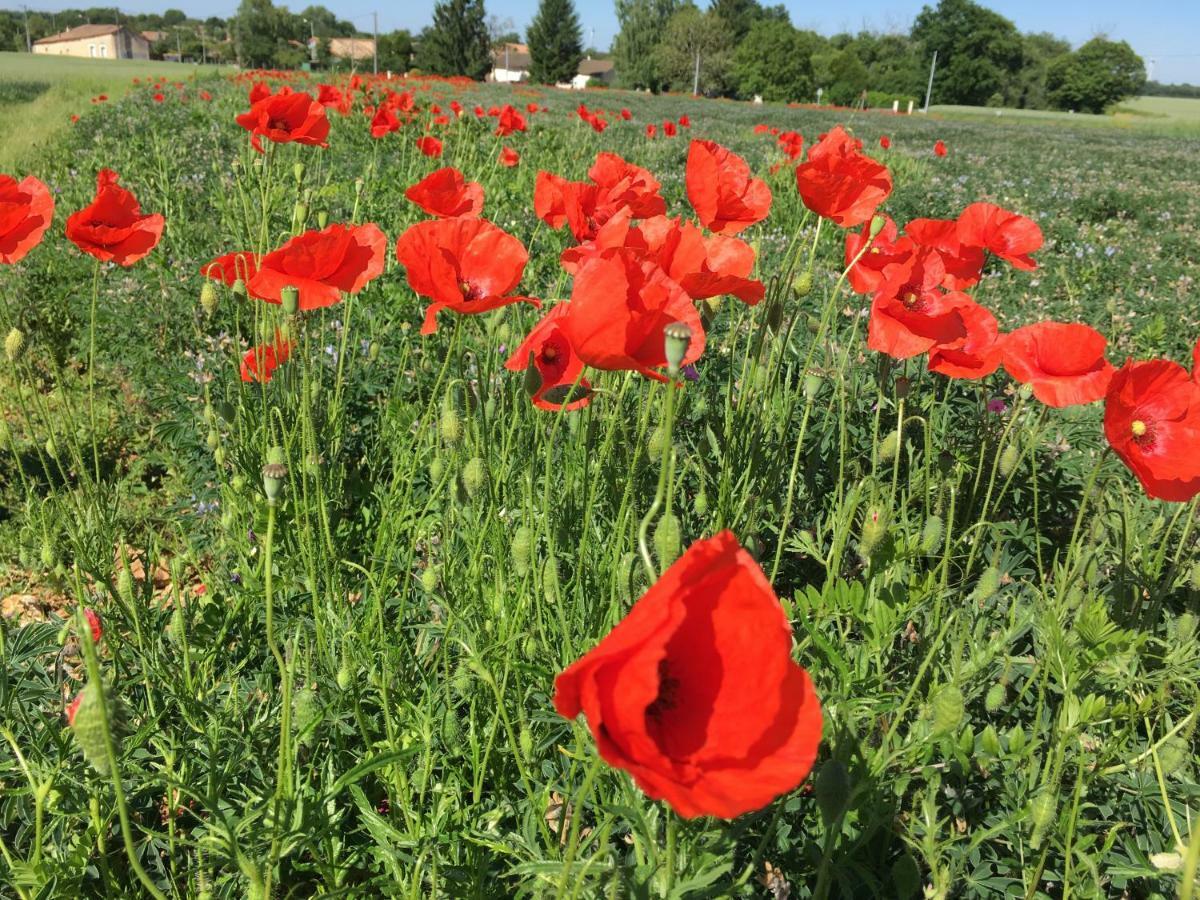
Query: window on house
[104, 50]
[92, 49]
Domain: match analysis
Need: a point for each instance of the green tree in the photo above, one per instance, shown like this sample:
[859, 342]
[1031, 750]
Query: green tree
[1040, 51]
[457, 42]
[695, 52]
[1098, 74]
[256, 33]
[555, 42]
[979, 51]
[738, 15]
[395, 51]
[775, 61]
[642, 23]
[893, 63]
[841, 74]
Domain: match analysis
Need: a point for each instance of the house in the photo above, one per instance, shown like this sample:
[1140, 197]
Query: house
[155, 37]
[355, 49]
[510, 64]
[95, 42]
[592, 71]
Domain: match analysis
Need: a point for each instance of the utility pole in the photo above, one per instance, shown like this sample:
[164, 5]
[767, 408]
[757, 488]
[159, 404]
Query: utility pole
[929, 89]
[375, 48]
[696, 76]
[203, 48]
[28, 42]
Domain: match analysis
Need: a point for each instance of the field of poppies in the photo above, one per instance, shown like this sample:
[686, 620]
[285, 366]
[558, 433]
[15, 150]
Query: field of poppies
[424, 489]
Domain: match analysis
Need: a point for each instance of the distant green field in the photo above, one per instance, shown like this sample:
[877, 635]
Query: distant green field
[1165, 114]
[39, 94]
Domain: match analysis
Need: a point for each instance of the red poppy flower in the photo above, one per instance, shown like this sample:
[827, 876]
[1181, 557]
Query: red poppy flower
[695, 692]
[26, 209]
[73, 708]
[509, 121]
[260, 90]
[556, 362]
[259, 363]
[1152, 421]
[977, 353]
[430, 146]
[456, 108]
[74, 118]
[669, 129]
[286, 118]
[887, 248]
[1063, 362]
[446, 193]
[791, 143]
[685, 122]
[939, 148]
[885, 142]
[328, 95]
[615, 185]
[479, 113]
[509, 157]
[726, 198]
[841, 184]
[205, 96]
[159, 97]
[466, 265]
[384, 122]
[761, 128]
[321, 265]
[963, 262]
[112, 228]
[1006, 234]
[910, 313]
[103, 98]
[651, 130]
[626, 114]
[531, 108]
[231, 267]
[620, 304]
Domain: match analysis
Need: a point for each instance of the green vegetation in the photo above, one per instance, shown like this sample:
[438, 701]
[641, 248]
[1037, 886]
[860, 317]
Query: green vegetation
[457, 43]
[555, 42]
[348, 692]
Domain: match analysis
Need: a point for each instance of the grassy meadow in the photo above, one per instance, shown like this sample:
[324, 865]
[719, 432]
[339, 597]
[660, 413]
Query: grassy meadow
[348, 693]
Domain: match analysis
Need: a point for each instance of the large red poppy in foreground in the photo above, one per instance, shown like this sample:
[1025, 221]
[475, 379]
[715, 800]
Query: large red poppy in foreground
[840, 183]
[466, 265]
[112, 228]
[719, 186]
[446, 193]
[1152, 421]
[1063, 362]
[695, 692]
[322, 265]
[26, 209]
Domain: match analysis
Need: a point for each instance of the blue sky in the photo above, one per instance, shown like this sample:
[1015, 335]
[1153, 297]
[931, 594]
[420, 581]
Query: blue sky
[1167, 31]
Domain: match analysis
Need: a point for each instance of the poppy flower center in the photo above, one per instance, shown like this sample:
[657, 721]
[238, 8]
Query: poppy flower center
[912, 300]
[1143, 435]
[668, 692]
[469, 291]
[550, 354]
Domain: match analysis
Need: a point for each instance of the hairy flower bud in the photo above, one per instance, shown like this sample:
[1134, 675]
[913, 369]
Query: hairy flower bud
[667, 540]
[522, 545]
[14, 345]
[474, 476]
[208, 298]
[802, 285]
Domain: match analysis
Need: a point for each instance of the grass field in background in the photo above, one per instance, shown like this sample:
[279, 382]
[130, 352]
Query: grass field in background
[39, 94]
[1171, 115]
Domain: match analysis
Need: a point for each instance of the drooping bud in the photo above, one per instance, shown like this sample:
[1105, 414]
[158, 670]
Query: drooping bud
[550, 583]
[667, 541]
[522, 544]
[1041, 810]
[474, 476]
[299, 213]
[289, 298]
[989, 583]
[832, 790]
[888, 447]
[657, 442]
[874, 527]
[14, 345]
[306, 709]
[677, 337]
[429, 579]
[931, 534]
[239, 287]
[437, 469]
[1009, 459]
[775, 316]
[208, 298]
[995, 697]
[449, 424]
[86, 716]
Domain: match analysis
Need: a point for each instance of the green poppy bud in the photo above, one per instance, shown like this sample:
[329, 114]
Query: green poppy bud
[802, 285]
[474, 476]
[677, 337]
[214, 439]
[832, 790]
[947, 708]
[298, 172]
[449, 424]
[14, 345]
[532, 382]
[437, 469]
[322, 218]
[931, 534]
[1041, 811]
[874, 528]
[550, 584]
[1009, 459]
[306, 710]
[429, 579]
[239, 287]
[888, 447]
[289, 298]
[995, 697]
[86, 716]
[667, 542]
[988, 584]
[522, 545]
[208, 298]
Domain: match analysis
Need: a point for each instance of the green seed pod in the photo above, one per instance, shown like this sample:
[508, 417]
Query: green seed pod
[306, 709]
[658, 441]
[877, 223]
[931, 534]
[437, 469]
[449, 424]
[299, 213]
[812, 386]
[874, 529]
[125, 583]
[1009, 458]
[832, 790]
[677, 337]
[358, 185]
[373, 351]
[474, 476]
[289, 299]
[813, 324]
[700, 504]
[1041, 811]
[550, 585]
[988, 584]
[14, 345]
[51, 448]
[888, 447]
[274, 474]
[86, 717]
[522, 545]
[322, 218]
[802, 285]
[946, 709]
[209, 298]
[667, 544]
[996, 696]
[429, 579]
